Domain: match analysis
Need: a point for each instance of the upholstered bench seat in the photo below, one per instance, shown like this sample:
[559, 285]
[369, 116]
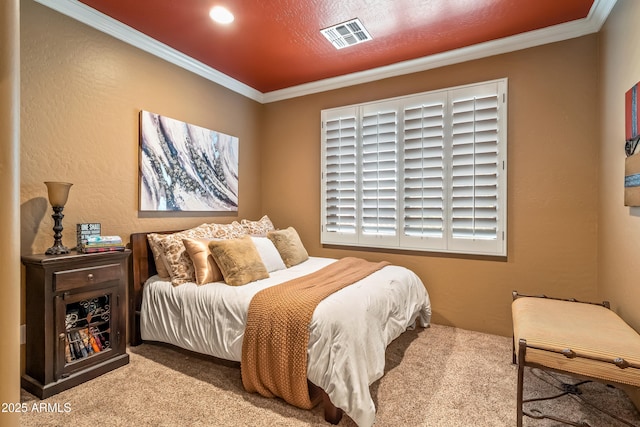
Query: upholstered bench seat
[583, 339]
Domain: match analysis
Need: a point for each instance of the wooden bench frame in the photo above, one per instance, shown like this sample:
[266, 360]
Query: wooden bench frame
[520, 360]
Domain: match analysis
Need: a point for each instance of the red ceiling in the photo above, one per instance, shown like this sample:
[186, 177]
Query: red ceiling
[276, 44]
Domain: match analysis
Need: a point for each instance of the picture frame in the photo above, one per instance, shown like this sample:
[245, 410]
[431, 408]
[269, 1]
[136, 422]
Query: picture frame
[632, 137]
[185, 167]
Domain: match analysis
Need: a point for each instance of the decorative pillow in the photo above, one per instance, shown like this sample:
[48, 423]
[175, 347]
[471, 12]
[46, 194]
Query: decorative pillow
[239, 260]
[227, 231]
[158, 256]
[270, 256]
[289, 245]
[205, 267]
[258, 228]
[179, 264]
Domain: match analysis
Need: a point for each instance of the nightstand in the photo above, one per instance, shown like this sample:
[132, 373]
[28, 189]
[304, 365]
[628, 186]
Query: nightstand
[75, 319]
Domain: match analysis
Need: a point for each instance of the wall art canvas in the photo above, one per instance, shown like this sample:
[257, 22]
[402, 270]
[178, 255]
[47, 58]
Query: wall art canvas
[632, 136]
[631, 121]
[184, 167]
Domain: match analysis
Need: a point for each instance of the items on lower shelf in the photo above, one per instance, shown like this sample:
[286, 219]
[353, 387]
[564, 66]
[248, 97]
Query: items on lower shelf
[87, 326]
[85, 342]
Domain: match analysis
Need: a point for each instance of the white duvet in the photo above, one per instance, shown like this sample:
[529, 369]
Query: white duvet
[349, 330]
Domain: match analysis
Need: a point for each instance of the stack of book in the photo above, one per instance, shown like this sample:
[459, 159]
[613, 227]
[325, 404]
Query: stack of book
[101, 244]
[82, 343]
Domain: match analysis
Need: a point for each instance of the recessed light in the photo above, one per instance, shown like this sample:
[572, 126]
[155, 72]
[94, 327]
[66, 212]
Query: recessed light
[221, 15]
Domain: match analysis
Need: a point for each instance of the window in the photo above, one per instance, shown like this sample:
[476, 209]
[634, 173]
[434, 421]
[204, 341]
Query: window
[421, 172]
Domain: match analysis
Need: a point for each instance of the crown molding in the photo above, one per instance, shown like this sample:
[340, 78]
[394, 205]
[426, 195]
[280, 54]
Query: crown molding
[591, 24]
[101, 22]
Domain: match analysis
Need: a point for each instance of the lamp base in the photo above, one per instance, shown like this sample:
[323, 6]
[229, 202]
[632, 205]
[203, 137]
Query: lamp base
[57, 250]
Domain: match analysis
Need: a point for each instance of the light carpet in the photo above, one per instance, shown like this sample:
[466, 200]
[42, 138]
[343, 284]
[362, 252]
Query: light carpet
[440, 376]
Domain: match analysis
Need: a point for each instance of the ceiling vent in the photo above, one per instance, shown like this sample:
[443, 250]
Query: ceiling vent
[346, 34]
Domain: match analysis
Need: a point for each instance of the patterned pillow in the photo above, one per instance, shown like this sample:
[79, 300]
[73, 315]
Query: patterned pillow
[178, 262]
[258, 228]
[238, 260]
[158, 256]
[289, 245]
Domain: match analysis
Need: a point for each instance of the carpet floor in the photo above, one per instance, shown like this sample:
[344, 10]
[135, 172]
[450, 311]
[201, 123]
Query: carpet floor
[439, 376]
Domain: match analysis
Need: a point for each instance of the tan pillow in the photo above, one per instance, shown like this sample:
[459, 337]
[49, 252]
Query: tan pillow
[179, 264]
[205, 267]
[258, 228]
[239, 260]
[289, 245]
[158, 257]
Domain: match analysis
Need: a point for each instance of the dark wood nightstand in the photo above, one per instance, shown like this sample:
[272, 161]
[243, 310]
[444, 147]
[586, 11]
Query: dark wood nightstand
[75, 319]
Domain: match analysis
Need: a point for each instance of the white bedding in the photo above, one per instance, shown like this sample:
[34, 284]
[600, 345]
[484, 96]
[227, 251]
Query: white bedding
[349, 330]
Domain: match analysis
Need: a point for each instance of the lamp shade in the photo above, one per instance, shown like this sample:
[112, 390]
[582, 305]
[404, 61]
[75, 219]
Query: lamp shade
[58, 193]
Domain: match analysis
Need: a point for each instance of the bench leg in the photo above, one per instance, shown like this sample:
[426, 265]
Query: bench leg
[522, 345]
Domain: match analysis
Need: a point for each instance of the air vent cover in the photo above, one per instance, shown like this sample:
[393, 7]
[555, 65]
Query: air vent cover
[346, 34]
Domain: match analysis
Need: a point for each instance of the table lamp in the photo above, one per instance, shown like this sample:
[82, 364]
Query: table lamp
[58, 194]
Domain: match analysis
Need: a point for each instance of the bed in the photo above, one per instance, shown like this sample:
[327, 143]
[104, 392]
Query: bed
[348, 333]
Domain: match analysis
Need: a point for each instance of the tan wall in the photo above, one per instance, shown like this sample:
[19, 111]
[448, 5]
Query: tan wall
[619, 226]
[552, 189]
[9, 219]
[82, 92]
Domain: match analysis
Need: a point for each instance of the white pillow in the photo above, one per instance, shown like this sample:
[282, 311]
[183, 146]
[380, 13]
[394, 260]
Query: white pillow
[270, 256]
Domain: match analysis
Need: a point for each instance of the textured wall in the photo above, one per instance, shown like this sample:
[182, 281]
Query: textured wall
[82, 92]
[81, 95]
[552, 152]
[619, 226]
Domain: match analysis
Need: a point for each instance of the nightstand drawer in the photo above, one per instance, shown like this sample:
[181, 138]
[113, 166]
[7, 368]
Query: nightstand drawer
[70, 279]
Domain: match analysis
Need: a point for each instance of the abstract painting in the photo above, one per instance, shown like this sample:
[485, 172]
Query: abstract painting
[184, 167]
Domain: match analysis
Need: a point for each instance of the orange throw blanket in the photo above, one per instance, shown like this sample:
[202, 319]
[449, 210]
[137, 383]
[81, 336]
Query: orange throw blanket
[274, 348]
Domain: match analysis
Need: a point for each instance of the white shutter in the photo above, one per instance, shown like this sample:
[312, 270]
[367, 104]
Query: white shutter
[339, 176]
[423, 207]
[379, 174]
[475, 216]
[425, 172]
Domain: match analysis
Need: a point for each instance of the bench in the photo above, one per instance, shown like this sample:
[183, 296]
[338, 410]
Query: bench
[581, 339]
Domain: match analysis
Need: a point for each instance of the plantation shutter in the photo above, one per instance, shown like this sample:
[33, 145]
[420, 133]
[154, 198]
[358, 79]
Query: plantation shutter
[423, 205]
[421, 172]
[379, 168]
[475, 169]
[340, 172]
